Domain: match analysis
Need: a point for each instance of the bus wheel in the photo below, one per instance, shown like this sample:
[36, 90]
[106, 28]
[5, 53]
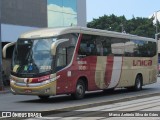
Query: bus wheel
[80, 90]
[43, 97]
[138, 83]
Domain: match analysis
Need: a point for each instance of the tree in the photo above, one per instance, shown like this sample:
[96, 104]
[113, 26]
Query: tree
[137, 26]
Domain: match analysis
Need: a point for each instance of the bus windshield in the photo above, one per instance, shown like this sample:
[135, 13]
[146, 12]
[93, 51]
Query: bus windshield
[33, 56]
[36, 57]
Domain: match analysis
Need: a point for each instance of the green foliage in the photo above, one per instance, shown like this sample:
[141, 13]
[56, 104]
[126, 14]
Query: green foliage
[137, 26]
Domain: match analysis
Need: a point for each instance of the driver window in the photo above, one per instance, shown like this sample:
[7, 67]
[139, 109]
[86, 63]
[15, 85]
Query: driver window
[65, 50]
[61, 57]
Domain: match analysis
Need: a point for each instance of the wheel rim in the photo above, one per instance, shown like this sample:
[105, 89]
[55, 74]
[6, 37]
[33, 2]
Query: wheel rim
[138, 83]
[80, 90]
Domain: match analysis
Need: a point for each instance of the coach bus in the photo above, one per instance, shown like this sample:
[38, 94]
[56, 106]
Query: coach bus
[74, 60]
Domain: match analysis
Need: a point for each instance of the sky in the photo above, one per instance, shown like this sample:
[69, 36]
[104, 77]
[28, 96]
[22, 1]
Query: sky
[65, 3]
[63, 12]
[61, 19]
[128, 8]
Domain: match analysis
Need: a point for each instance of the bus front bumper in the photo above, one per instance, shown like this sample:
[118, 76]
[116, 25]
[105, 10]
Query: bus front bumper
[33, 89]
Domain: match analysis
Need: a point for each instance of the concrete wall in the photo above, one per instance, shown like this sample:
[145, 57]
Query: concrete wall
[81, 13]
[24, 12]
[10, 33]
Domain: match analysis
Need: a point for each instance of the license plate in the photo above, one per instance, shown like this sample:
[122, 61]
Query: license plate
[28, 91]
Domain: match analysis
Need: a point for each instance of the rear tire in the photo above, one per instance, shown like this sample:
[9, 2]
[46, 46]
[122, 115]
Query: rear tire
[138, 83]
[80, 90]
[43, 97]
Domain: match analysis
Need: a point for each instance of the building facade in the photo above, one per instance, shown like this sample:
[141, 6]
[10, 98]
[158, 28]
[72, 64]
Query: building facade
[24, 15]
[66, 13]
[18, 16]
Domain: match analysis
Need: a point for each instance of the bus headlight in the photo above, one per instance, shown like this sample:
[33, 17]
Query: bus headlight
[46, 81]
[50, 80]
[12, 81]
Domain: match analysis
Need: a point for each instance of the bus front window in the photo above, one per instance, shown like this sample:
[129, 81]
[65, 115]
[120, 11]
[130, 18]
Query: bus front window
[33, 56]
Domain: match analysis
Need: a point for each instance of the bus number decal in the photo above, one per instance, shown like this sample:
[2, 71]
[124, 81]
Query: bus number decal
[82, 62]
[142, 62]
[82, 67]
[45, 67]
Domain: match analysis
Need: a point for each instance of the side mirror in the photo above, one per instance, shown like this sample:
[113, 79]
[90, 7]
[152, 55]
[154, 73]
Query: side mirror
[5, 48]
[53, 48]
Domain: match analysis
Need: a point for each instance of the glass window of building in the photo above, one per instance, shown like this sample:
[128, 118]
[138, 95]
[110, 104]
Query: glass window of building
[62, 13]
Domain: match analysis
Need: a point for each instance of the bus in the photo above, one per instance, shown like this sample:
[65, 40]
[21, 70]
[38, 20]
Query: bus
[73, 60]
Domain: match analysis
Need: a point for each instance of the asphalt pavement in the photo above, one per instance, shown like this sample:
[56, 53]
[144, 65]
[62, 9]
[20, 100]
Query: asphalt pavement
[10, 102]
[92, 100]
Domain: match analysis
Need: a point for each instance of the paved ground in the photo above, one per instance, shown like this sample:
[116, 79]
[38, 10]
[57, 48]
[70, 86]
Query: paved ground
[140, 109]
[121, 99]
[10, 102]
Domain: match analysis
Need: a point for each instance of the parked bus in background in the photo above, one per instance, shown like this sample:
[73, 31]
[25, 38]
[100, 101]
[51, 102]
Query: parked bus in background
[73, 60]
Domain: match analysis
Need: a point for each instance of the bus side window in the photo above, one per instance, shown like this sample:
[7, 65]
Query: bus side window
[106, 44]
[99, 48]
[105, 51]
[82, 49]
[87, 46]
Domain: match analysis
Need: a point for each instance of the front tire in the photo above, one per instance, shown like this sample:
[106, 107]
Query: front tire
[43, 97]
[80, 90]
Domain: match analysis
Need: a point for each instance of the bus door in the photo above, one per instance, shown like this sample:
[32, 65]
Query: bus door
[64, 53]
[59, 50]
[87, 59]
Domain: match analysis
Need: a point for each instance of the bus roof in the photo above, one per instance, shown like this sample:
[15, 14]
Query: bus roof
[49, 32]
